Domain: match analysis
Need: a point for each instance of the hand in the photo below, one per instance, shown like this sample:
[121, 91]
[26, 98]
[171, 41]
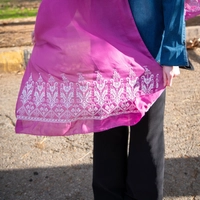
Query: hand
[169, 72]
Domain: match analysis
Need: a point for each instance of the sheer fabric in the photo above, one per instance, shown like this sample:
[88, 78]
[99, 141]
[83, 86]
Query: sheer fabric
[192, 8]
[89, 70]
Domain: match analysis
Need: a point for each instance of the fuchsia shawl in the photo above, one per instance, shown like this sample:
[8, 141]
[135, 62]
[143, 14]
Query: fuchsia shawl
[89, 70]
[192, 8]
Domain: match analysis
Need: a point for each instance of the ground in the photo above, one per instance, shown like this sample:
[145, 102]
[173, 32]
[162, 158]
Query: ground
[17, 32]
[60, 168]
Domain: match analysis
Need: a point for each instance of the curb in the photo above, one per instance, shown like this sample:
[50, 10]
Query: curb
[17, 21]
[14, 60]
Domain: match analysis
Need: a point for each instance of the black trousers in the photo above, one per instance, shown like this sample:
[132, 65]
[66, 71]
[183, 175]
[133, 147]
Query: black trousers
[123, 171]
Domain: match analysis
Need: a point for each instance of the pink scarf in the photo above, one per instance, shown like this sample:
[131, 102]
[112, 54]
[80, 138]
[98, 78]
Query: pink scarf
[89, 70]
[192, 8]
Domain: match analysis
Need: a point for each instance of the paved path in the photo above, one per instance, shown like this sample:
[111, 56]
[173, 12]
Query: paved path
[60, 168]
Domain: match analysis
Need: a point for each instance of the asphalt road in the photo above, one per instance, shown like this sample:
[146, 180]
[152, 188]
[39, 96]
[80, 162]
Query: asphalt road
[60, 168]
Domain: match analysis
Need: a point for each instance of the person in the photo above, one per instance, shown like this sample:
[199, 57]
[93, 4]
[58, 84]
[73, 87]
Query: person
[96, 67]
[88, 69]
[139, 174]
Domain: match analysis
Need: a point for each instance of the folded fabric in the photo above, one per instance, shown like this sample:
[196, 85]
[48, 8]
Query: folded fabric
[89, 70]
[192, 8]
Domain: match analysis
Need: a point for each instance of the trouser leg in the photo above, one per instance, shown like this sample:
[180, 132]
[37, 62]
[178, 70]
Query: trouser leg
[110, 164]
[146, 155]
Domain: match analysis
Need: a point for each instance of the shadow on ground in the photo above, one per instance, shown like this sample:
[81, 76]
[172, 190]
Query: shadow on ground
[182, 178]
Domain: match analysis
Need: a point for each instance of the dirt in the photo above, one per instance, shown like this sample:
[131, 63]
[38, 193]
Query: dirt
[60, 168]
[17, 32]
[15, 35]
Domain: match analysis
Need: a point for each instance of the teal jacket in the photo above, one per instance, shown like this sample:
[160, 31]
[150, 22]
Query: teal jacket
[161, 24]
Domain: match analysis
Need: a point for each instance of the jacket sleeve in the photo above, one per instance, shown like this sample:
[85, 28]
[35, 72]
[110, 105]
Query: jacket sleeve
[173, 50]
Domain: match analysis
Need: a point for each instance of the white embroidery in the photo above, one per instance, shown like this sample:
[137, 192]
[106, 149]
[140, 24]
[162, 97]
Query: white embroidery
[39, 95]
[132, 86]
[27, 91]
[100, 95]
[147, 83]
[65, 101]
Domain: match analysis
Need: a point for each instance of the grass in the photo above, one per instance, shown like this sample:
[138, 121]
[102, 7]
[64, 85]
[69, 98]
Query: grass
[5, 1]
[17, 13]
[10, 9]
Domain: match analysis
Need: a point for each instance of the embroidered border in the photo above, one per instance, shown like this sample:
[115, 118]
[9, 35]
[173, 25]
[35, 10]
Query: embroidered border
[66, 101]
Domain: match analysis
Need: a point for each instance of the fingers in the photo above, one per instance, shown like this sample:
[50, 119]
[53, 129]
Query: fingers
[164, 79]
[167, 76]
[170, 78]
[176, 71]
[167, 79]
[169, 73]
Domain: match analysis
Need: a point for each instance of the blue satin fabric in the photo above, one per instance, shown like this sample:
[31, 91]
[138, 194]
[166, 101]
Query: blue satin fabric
[161, 24]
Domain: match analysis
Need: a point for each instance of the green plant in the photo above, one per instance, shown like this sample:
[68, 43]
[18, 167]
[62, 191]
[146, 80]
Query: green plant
[18, 8]
[17, 12]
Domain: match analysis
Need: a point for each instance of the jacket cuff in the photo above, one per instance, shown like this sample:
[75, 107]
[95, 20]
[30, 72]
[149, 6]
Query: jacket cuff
[174, 56]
